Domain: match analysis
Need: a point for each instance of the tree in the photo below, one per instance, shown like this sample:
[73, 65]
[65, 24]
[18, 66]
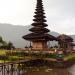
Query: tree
[4, 45]
[1, 41]
[10, 46]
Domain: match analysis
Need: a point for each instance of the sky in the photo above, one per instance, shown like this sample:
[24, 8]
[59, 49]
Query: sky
[60, 13]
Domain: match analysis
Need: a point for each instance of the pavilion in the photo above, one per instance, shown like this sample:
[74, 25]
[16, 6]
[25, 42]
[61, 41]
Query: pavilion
[65, 42]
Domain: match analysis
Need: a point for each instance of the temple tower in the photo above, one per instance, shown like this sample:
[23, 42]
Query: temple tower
[39, 33]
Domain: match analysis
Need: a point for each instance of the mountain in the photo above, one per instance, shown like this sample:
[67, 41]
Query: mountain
[14, 34]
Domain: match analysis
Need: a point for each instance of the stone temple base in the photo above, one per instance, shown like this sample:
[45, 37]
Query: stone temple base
[39, 45]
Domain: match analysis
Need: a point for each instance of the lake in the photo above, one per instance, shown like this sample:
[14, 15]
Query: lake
[42, 70]
[49, 71]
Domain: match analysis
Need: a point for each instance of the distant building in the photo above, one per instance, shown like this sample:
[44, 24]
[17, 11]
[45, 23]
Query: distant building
[65, 42]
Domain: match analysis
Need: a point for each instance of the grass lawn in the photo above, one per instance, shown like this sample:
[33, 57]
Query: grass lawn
[70, 57]
[3, 52]
[7, 56]
[20, 55]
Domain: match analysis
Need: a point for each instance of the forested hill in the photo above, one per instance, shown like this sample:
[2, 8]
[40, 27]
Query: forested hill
[14, 34]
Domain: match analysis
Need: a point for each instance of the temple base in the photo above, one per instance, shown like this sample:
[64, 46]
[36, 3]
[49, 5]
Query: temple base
[39, 45]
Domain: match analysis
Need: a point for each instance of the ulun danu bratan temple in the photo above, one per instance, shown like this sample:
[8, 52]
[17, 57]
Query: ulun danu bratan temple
[39, 33]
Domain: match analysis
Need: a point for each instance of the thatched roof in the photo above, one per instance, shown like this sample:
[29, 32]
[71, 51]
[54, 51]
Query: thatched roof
[39, 24]
[38, 31]
[65, 38]
[39, 20]
[33, 36]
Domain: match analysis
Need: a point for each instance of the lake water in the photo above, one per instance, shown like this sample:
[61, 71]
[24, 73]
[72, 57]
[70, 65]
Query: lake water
[49, 71]
[72, 70]
[43, 70]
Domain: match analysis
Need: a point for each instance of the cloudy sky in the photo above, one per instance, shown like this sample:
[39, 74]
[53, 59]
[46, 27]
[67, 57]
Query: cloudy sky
[60, 13]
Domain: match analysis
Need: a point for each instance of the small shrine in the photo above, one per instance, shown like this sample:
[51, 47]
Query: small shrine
[65, 42]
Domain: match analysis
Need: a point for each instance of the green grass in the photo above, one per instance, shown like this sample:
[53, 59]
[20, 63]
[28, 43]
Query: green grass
[3, 61]
[8, 55]
[70, 57]
[19, 54]
[3, 52]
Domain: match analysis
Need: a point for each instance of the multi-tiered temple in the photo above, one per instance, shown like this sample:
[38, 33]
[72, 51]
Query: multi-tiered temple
[39, 33]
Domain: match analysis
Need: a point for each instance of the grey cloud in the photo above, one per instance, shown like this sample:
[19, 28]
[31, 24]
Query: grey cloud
[61, 15]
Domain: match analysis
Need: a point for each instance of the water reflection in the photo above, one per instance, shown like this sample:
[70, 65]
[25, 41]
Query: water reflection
[41, 71]
[46, 71]
[72, 70]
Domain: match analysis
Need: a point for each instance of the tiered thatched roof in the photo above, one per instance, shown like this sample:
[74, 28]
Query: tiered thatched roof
[33, 36]
[38, 30]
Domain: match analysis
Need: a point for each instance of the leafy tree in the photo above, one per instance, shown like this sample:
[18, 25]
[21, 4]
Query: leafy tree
[1, 40]
[10, 46]
[5, 45]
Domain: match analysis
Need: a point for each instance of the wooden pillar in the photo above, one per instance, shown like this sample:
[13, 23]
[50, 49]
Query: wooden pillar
[12, 69]
[18, 69]
[2, 69]
[8, 69]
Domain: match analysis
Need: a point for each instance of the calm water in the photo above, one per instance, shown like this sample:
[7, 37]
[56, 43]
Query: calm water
[43, 71]
[72, 70]
[49, 71]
